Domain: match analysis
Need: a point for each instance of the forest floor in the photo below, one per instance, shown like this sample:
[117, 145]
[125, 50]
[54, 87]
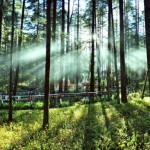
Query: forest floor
[102, 125]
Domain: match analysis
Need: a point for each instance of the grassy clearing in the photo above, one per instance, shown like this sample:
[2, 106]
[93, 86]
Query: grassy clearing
[104, 125]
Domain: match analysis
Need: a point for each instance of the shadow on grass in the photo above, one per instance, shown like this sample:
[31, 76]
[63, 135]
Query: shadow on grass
[86, 130]
[18, 116]
[3, 117]
[71, 133]
[92, 130]
[137, 122]
[105, 115]
[46, 138]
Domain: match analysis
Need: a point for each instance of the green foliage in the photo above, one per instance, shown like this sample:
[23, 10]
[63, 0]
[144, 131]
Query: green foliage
[105, 125]
[23, 105]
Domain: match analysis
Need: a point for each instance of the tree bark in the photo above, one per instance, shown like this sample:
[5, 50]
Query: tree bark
[52, 79]
[92, 81]
[47, 66]
[19, 49]
[1, 18]
[122, 57]
[53, 44]
[67, 46]
[98, 66]
[62, 47]
[11, 63]
[137, 24]
[109, 49]
[147, 26]
[77, 60]
[115, 56]
[144, 87]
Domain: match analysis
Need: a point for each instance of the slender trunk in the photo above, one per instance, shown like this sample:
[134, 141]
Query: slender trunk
[122, 57]
[53, 45]
[52, 79]
[102, 47]
[109, 50]
[47, 66]
[137, 24]
[98, 66]
[38, 13]
[19, 49]
[77, 60]
[11, 63]
[1, 20]
[92, 53]
[44, 16]
[137, 36]
[62, 47]
[98, 55]
[67, 46]
[144, 87]
[147, 27]
[126, 28]
[37, 34]
[115, 56]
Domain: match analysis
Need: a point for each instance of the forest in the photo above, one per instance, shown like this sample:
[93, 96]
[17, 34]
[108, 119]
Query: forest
[74, 74]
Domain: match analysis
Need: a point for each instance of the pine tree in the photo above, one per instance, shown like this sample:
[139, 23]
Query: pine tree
[147, 26]
[47, 66]
[122, 57]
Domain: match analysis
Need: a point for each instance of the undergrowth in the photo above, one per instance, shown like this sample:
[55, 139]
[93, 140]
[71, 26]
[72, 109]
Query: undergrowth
[103, 125]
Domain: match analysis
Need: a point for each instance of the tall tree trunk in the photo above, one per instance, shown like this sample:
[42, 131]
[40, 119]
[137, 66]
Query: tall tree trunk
[52, 79]
[122, 57]
[47, 66]
[98, 54]
[44, 14]
[77, 60]
[147, 26]
[98, 66]
[37, 40]
[67, 46]
[92, 81]
[11, 63]
[102, 47]
[19, 49]
[137, 24]
[137, 34]
[109, 49]
[53, 45]
[115, 53]
[62, 47]
[38, 13]
[1, 20]
[144, 87]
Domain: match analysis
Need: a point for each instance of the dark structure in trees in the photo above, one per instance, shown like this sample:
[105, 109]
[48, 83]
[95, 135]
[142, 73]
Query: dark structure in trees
[1, 17]
[147, 25]
[67, 46]
[115, 57]
[122, 57]
[52, 88]
[53, 43]
[19, 49]
[11, 62]
[47, 67]
[62, 46]
[109, 48]
[92, 81]
[77, 67]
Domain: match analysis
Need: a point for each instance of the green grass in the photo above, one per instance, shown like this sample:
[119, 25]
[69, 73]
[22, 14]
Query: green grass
[36, 104]
[105, 125]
